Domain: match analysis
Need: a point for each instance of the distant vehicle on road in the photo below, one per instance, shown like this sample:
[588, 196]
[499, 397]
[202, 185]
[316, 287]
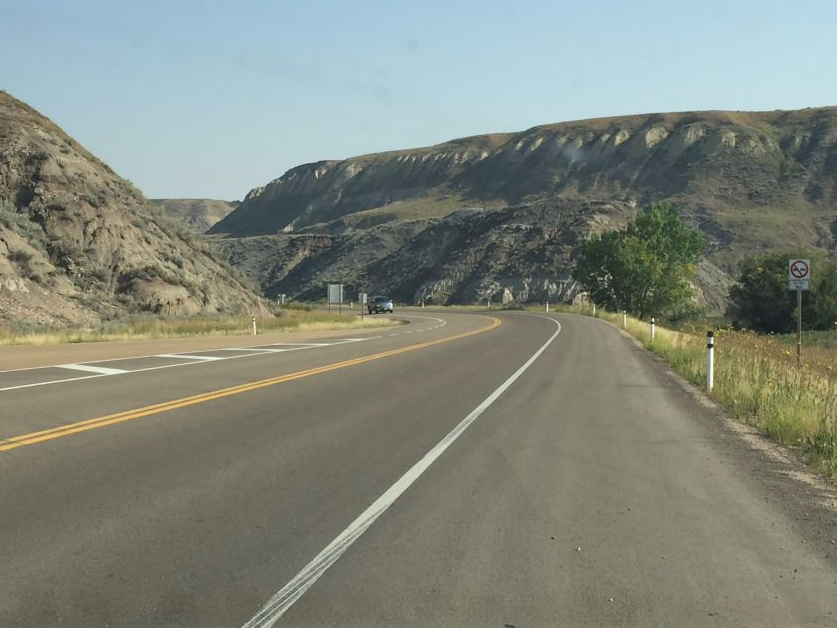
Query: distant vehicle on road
[380, 304]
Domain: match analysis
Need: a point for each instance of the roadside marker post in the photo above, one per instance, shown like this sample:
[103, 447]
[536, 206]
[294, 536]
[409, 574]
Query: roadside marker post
[652, 329]
[799, 279]
[624, 318]
[547, 307]
[594, 310]
[255, 333]
[710, 360]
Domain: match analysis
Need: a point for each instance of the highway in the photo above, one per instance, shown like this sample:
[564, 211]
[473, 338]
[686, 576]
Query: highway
[499, 469]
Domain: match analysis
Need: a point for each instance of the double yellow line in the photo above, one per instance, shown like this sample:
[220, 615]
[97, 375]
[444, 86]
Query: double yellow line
[129, 415]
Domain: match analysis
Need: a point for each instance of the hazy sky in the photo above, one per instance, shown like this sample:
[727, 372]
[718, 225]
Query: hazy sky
[210, 98]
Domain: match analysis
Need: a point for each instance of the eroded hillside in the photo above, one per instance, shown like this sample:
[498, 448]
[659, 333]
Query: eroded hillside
[78, 243]
[750, 181]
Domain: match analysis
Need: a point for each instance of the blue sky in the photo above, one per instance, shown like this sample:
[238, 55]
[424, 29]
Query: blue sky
[209, 99]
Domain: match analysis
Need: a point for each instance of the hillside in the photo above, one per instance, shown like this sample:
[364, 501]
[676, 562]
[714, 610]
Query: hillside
[520, 253]
[751, 181]
[78, 244]
[197, 213]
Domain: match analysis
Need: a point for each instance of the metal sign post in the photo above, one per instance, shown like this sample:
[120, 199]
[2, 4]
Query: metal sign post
[799, 279]
[799, 328]
[361, 298]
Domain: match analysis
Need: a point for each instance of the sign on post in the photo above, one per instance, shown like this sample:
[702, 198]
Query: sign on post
[361, 298]
[335, 296]
[799, 274]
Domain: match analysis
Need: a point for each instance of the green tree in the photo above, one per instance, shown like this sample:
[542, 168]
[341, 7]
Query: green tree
[644, 269]
[762, 301]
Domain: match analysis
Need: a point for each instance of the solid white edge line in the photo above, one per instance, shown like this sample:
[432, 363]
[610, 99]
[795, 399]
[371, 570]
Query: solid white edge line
[101, 370]
[291, 592]
[51, 381]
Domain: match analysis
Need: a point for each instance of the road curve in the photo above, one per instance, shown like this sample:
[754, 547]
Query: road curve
[507, 470]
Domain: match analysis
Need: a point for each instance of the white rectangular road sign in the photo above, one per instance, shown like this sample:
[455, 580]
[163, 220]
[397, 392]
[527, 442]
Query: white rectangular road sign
[799, 274]
[335, 293]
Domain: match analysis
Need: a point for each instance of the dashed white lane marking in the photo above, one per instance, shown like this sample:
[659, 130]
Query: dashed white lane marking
[101, 370]
[291, 592]
[183, 356]
[302, 344]
[253, 349]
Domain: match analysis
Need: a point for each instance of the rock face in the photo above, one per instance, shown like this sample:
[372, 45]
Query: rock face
[751, 181]
[197, 213]
[78, 243]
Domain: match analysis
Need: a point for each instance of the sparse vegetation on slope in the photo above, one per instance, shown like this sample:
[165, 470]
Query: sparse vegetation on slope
[80, 245]
[198, 214]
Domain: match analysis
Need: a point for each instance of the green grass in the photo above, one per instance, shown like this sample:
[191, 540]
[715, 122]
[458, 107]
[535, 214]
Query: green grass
[757, 379]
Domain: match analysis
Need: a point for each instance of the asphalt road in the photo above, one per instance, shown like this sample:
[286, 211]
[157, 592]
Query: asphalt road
[540, 472]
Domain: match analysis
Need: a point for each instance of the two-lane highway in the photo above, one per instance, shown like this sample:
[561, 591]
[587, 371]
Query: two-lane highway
[516, 470]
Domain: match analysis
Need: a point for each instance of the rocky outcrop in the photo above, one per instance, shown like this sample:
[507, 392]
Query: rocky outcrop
[78, 243]
[522, 253]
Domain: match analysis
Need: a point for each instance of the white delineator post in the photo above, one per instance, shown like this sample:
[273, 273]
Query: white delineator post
[710, 360]
[547, 307]
[254, 326]
[594, 309]
[652, 329]
[624, 318]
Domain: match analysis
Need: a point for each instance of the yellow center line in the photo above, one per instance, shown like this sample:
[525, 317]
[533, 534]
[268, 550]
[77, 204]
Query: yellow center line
[129, 415]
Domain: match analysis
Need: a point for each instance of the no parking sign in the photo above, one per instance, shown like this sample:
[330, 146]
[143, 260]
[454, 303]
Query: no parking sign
[799, 274]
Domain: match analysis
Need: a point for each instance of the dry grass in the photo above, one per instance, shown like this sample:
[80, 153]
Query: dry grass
[147, 327]
[756, 378]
